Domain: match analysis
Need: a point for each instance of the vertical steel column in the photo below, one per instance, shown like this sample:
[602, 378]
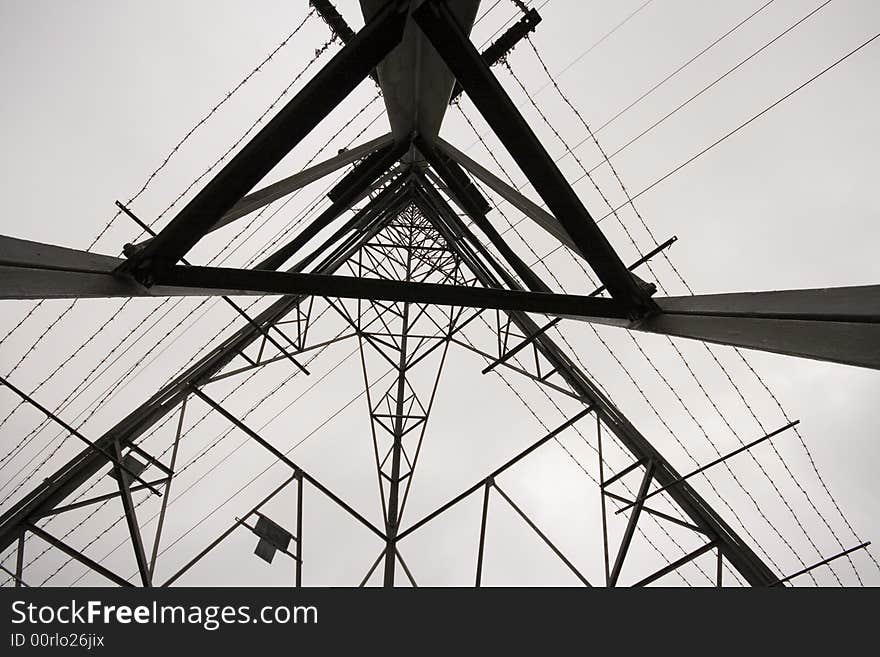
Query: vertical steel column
[19, 561]
[131, 520]
[602, 498]
[299, 528]
[487, 487]
[631, 524]
[392, 520]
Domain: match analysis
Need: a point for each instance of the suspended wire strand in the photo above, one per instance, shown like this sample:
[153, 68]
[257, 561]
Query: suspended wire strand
[703, 90]
[175, 149]
[804, 445]
[26, 439]
[678, 352]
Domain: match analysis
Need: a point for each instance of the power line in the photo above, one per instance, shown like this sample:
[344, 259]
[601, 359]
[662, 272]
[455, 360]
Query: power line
[664, 379]
[602, 40]
[747, 122]
[620, 364]
[799, 485]
[175, 149]
[704, 89]
[227, 246]
[683, 66]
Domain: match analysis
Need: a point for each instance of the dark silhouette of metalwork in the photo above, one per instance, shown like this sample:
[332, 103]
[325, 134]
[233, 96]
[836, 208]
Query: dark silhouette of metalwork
[407, 273]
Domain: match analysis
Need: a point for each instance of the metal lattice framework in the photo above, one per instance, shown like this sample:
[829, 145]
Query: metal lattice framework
[407, 272]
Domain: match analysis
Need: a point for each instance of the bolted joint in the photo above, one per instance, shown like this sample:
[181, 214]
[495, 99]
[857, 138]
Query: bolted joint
[142, 271]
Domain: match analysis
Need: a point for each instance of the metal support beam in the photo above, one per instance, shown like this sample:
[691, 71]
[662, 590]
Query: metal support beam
[115, 460]
[513, 351]
[357, 182]
[456, 49]
[52, 492]
[249, 282]
[677, 564]
[516, 198]
[472, 202]
[501, 47]
[302, 113]
[739, 555]
[19, 561]
[79, 556]
[131, 520]
[720, 459]
[484, 517]
[284, 459]
[416, 84]
[497, 472]
[542, 536]
[238, 522]
[629, 532]
[841, 324]
[262, 197]
[229, 302]
[299, 528]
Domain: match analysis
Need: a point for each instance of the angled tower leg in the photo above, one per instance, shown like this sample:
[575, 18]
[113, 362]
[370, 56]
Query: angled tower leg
[323, 92]
[734, 549]
[456, 49]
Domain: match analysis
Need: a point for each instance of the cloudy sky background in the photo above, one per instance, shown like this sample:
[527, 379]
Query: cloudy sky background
[95, 96]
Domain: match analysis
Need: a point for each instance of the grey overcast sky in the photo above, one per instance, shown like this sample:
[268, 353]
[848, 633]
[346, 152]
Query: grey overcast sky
[96, 94]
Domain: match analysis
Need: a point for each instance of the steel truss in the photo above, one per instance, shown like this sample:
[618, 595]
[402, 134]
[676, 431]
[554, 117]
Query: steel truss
[416, 275]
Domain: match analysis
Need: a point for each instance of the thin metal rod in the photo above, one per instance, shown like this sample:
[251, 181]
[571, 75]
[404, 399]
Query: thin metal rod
[19, 561]
[275, 359]
[623, 472]
[19, 582]
[631, 525]
[650, 254]
[299, 528]
[229, 301]
[676, 564]
[522, 345]
[822, 563]
[720, 569]
[74, 432]
[284, 459]
[482, 547]
[161, 522]
[405, 568]
[541, 534]
[79, 556]
[95, 500]
[373, 568]
[226, 533]
[660, 514]
[516, 459]
[721, 459]
[134, 530]
[602, 498]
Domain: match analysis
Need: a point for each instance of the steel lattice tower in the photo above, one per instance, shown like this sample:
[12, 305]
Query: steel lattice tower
[407, 271]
